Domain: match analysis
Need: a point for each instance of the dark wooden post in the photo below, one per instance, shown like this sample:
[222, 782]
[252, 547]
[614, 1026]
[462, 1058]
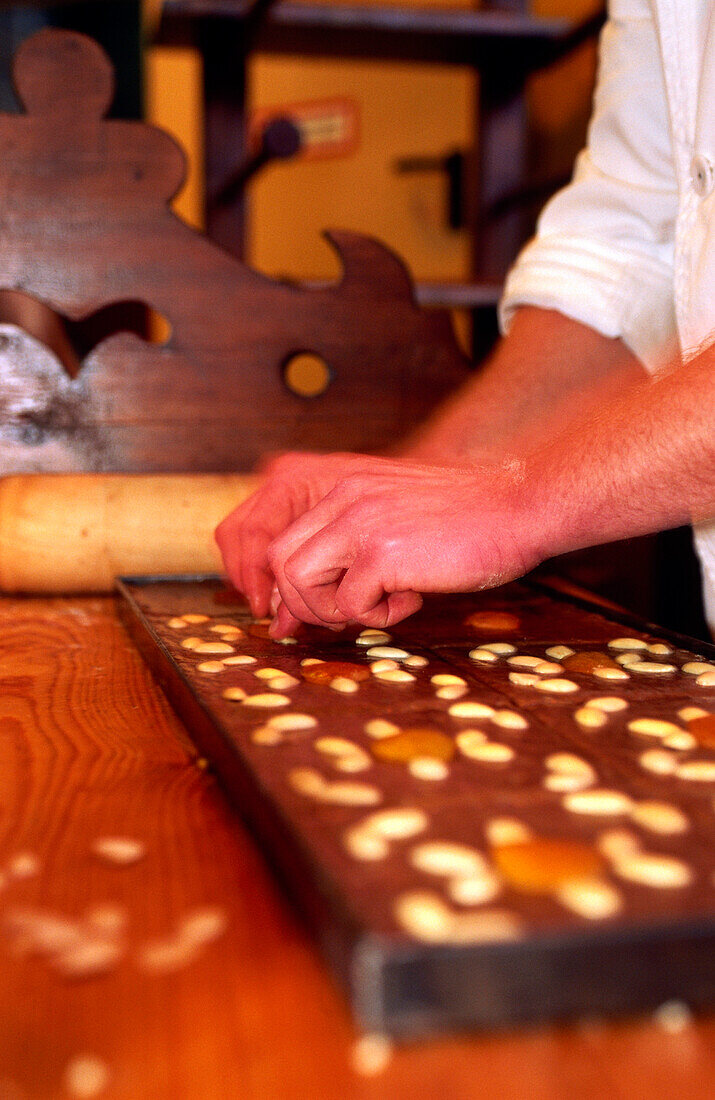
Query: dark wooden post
[223, 45]
[498, 167]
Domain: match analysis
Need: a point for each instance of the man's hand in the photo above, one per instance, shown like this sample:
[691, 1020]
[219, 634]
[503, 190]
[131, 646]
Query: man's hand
[350, 538]
[293, 484]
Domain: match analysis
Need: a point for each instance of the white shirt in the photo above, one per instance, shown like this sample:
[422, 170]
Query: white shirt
[628, 247]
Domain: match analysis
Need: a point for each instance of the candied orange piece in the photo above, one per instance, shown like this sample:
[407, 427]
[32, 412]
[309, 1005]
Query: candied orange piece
[703, 730]
[541, 865]
[492, 621]
[327, 671]
[588, 661]
[413, 743]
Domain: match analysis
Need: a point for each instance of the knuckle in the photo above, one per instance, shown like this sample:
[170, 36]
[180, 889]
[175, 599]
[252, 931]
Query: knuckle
[279, 467]
[291, 460]
[277, 461]
[350, 487]
[295, 571]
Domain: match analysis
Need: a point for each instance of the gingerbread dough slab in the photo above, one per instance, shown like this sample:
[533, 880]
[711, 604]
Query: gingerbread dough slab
[471, 845]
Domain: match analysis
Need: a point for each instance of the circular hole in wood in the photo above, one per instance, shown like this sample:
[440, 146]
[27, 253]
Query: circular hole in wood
[307, 374]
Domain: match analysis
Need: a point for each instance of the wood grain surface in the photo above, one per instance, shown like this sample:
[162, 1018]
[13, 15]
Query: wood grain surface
[89, 748]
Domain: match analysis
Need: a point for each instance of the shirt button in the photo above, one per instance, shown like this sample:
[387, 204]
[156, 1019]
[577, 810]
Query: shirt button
[703, 176]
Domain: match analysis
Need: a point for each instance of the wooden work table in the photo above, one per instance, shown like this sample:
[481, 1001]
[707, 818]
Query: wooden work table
[89, 748]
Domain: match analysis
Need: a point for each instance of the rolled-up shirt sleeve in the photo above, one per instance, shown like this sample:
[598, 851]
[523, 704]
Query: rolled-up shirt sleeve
[603, 250]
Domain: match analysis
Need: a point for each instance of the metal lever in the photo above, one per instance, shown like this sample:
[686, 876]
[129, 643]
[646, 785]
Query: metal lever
[281, 139]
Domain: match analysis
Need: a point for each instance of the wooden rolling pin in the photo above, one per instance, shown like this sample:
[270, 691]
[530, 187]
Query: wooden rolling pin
[77, 532]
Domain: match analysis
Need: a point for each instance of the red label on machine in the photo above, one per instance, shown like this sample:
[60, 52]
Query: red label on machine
[328, 127]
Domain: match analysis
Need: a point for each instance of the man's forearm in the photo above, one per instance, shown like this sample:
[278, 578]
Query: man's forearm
[544, 370]
[644, 462]
[354, 538]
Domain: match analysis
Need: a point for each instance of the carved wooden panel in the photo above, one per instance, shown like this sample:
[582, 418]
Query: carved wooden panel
[85, 226]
